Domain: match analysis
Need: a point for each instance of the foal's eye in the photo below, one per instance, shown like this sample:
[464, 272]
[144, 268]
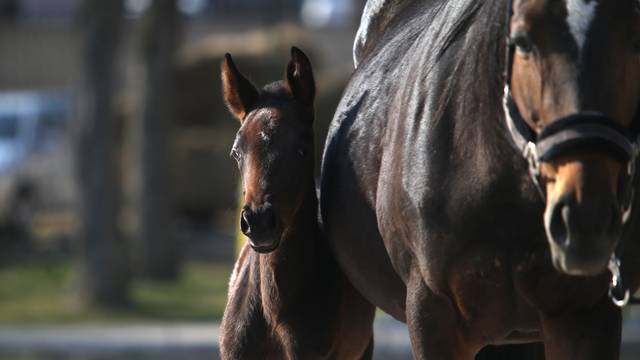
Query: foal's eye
[522, 42]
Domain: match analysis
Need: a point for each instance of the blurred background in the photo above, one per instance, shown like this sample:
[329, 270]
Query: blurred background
[118, 199]
[117, 195]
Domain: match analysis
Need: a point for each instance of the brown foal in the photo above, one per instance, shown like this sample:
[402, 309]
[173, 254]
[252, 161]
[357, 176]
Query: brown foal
[288, 298]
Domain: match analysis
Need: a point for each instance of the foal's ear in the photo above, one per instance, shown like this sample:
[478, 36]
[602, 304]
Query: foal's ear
[239, 93]
[299, 77]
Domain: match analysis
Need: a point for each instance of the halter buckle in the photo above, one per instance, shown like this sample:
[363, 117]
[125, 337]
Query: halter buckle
[530, 153]
[618, 294]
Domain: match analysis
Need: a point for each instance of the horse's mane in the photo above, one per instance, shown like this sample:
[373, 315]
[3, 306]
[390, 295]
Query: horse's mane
[376, 16]
[469, 37]
[442, 22]
[460, 40]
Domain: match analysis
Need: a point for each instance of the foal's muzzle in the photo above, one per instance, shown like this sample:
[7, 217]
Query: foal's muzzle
[262, 227]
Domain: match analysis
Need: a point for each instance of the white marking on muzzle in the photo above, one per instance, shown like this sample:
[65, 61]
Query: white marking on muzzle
[580, 16]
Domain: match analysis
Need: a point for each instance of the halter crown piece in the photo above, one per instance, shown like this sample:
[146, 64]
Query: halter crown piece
[592, 130]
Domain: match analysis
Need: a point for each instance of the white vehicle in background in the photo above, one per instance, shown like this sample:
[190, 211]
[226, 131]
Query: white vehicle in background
[35, 162]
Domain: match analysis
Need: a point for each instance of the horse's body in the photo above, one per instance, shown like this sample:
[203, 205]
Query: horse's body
[288, 298]
[431, 212]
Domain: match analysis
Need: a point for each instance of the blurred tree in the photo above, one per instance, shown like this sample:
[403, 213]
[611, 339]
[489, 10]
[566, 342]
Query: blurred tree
[103, 261]
[157, 251]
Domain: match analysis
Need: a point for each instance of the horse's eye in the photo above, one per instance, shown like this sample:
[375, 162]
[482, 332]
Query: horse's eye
[522, 42]
[301, 152]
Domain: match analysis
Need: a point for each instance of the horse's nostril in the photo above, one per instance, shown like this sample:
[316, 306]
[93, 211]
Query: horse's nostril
[244, 223]
[558, 224]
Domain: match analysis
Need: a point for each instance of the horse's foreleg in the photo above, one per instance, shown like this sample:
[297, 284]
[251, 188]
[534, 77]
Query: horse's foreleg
[586, 335]
[432, 324]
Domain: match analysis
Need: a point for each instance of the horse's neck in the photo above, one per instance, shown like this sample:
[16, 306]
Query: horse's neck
[288, 272]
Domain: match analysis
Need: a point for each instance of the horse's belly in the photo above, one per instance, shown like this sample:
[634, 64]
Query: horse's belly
[351, 227]
[362, 257]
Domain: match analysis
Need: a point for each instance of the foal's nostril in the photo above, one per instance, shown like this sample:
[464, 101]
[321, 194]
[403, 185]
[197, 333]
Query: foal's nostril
[558, 223]
[244, 223]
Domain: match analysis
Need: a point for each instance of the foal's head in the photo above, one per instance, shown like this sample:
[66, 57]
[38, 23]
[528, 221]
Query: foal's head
[273, 148]
[576, 57]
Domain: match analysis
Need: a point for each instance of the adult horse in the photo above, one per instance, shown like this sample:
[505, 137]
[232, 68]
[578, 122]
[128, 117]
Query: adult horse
[479, 214]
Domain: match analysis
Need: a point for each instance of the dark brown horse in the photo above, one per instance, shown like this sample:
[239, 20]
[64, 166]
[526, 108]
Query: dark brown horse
[433, 172]
[288, 299]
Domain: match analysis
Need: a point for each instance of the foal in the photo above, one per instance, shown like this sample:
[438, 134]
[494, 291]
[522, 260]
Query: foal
[288, 299]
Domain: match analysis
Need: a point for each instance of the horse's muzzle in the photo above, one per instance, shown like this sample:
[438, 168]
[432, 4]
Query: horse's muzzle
[582, 235]
[261, 226]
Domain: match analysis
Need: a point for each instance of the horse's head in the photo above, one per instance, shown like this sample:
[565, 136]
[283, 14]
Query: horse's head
[577, 62]
[273, 148]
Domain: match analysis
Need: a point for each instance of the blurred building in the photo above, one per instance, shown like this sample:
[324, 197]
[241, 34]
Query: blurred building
[42, 43]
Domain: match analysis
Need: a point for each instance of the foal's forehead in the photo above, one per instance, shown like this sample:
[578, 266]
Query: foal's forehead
[260, 125]
[263, 124]
[265, 117]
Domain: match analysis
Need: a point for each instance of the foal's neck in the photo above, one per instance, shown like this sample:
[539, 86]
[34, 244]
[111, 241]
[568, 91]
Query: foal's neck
[288, 271]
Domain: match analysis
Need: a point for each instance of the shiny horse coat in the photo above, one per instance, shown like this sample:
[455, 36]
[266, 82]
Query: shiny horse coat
[429, 207]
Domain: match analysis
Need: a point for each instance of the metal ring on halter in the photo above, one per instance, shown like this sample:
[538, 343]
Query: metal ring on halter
[615, 286]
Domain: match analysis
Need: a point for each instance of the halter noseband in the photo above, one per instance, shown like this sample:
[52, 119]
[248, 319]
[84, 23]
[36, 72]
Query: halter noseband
[584, 130]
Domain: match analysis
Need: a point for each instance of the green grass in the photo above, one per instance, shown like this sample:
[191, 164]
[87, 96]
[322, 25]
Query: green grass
[42, 291]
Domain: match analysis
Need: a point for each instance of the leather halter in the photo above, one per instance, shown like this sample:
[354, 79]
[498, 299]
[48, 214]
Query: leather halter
[584, 130]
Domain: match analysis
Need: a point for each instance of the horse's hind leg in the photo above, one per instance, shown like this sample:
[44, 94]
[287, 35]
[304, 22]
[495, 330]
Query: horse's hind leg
[533, 351]
[431, 320]
[590, 334]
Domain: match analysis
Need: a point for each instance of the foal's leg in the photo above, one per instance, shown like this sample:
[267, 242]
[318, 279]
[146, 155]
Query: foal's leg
[432, 323]
[592, 334]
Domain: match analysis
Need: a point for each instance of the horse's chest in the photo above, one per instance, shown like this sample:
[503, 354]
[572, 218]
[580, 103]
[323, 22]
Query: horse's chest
[480, 283]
